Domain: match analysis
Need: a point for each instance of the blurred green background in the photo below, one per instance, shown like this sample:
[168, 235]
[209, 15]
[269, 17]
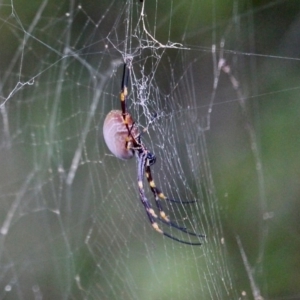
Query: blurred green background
[76, 229]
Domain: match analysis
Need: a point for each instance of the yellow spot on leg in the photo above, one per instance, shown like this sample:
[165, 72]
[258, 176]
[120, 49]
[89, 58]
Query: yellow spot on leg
[162, 196]
[152, 184]
[163, 215]
[155, 226]
[140, 183]
[127, 119]
[123, 94]
[152, 213]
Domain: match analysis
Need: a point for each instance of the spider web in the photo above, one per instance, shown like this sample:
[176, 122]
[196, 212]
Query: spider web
[216, 85]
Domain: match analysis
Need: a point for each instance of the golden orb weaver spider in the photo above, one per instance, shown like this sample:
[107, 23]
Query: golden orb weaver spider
[123, 139]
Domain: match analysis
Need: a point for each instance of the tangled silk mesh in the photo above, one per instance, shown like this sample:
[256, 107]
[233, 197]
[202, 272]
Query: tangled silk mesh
[215, 88]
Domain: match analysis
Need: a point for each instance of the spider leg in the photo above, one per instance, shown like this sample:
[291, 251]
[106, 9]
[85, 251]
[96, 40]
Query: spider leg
[152, 216]
[157, 192]
[181, 241]
[183, 229]
[150, 211]
[123, 99]
[159, 195]
[124, 92]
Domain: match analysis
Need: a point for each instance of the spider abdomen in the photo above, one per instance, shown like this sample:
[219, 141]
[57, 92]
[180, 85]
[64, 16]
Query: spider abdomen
[116, 136]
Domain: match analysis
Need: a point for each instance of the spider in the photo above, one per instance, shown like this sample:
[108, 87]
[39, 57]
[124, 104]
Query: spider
[123, 139]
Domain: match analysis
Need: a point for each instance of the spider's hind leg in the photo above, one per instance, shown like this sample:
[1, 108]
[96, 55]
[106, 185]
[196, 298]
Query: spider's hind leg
[153, 217]
[158, 195]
